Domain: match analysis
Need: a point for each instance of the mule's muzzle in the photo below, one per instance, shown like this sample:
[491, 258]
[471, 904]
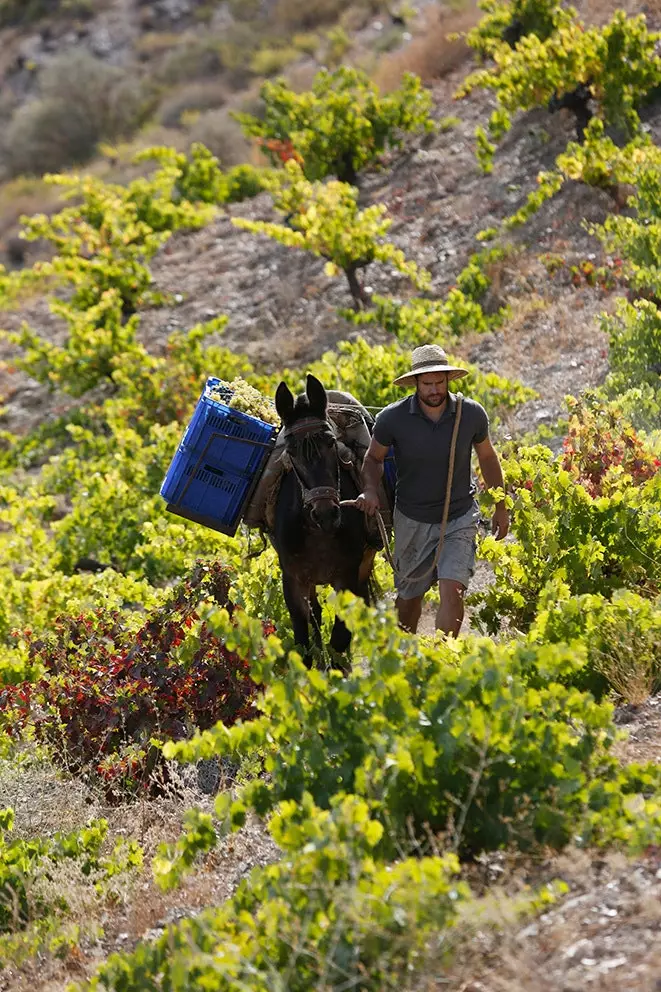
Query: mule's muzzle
[327, 518]
[323, 504]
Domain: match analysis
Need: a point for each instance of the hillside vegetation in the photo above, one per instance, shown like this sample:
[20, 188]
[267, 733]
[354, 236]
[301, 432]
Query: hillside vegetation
[183, 804]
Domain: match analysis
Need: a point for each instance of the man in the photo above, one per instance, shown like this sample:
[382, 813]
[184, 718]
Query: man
[420, 429]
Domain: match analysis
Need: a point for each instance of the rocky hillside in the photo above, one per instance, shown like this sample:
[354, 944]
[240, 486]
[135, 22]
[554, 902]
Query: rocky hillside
[283, 309]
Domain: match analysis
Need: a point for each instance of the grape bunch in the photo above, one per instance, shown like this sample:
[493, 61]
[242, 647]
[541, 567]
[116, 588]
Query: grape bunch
[240, 395]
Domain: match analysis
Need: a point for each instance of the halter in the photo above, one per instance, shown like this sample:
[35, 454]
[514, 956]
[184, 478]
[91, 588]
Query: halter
[306, 427]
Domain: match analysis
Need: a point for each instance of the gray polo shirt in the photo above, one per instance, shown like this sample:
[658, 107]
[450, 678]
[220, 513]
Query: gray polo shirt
[422, 454]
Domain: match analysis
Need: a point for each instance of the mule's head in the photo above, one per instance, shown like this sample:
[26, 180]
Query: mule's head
[312, 449]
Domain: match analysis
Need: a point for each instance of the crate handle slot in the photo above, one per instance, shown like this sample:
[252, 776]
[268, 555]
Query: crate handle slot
[214, 471]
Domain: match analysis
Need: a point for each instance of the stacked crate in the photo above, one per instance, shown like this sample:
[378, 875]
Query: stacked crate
[218, 463]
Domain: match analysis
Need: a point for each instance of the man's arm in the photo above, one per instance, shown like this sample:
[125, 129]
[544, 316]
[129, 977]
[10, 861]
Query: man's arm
[492, 474]
[372, 474]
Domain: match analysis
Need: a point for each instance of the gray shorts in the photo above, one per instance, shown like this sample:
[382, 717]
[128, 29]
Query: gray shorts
[415, 548]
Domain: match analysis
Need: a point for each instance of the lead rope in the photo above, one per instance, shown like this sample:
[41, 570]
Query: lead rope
[446, 507]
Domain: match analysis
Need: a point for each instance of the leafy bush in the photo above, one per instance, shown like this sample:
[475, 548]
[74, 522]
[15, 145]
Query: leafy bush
[636, 238]
[508, 21]
[307, 14]
[450, 737]
[24, 862]
[621, 637]
[217, 131]
[634, 332]
[324, 218]
[97, 336]
[418, 321]
[102, 248]
[83, 101]
[614, 67]
[596, 544]
[368, 372]
[197, 178]
[106, 689]
[327, 915]
[342, 124]
[600, 447]
[269, 61]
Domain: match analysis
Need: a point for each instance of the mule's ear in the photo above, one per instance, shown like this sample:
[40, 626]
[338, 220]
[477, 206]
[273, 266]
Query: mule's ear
[316, 397]
[284, 402]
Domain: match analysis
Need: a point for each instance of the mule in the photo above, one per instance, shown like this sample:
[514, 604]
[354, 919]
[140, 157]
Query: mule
[318, 541]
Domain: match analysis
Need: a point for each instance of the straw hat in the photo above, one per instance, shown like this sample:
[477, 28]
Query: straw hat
[429, 358]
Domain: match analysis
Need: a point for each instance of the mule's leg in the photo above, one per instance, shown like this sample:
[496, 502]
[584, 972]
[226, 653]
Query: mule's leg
[315, 610]
[299, 611]
[340, 636]
[359, 586]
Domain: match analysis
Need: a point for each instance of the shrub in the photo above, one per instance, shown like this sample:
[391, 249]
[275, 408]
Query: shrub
[83, 101]
[621, 637]
[342, 125]
[324, 218]
[102, 249]
[634, 332]
[600, 447]
[107, 690]
[436, 50]
[506, 22]
[636, 238]
[327, 916]
[218, 132]
[194, 179]
[453, 737]
[595, 544]
[184, 60]
[270, 61]
[368, 371]
[96, 337]
[613, 67]
[23, 863]
[418, 320]
[193, 97]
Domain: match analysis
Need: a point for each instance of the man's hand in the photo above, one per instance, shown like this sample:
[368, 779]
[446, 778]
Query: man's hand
[368, 502]
[500, 523]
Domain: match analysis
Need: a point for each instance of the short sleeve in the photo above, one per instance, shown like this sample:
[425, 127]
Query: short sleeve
[383, 430]
[481, 432]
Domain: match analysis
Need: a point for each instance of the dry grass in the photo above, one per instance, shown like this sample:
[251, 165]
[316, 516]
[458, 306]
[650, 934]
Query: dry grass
[602, 935]
[192, 97]
[83, 100]
[304, 15]
[222, 136]
[431, 54]
[184, 60]
[23, 197]
[46, 801]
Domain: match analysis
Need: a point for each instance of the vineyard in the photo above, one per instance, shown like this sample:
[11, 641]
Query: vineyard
[183, 802]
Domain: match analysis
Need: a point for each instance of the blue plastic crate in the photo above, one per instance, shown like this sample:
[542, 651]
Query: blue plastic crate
[218, 464]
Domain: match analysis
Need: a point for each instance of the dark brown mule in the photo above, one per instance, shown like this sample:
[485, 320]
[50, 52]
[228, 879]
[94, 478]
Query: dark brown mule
[318, 541]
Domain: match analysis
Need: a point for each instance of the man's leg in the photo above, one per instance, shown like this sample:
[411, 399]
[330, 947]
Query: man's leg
[450, 613]
[408, 612]
[415, 544]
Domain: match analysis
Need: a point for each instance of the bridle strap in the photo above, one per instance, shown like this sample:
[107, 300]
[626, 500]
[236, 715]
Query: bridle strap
[312, 496]
[305, 427]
